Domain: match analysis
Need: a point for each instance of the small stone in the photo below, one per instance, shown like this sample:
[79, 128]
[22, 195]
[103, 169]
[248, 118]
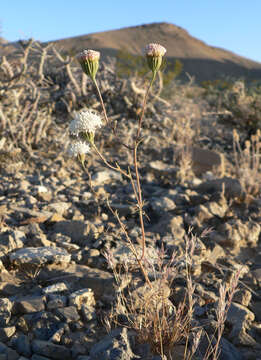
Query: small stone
[5, 318]
[257, 275]
[57, 336]
[231, 187]
[236, 233]
[162, 204]
[243, 297]
[6, 333]
[82, 297]
[116, 345]
[5, 305]
[75, 229]
[71, 248]
[12, 240]
[30, 304]
[87, 314]
[160, 168]
[81, 276]
[22, 345]
[44, 194]
[215, 253]
[122, 254]
[56, 288]
[2, 267]
[68, 314]
[59, 207]
[56, 302]
[103, 176]
[239, 313]
[51, 350]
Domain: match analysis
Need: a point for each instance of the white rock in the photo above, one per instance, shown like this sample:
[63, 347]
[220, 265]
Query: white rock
[55, 288]
[82, 297]
[104, 176]
[40, 256]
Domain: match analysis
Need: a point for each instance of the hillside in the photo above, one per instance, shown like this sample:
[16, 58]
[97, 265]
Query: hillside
[199, 59]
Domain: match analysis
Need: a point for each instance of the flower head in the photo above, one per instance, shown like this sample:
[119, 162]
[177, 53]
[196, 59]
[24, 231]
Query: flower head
[78, 148]
[89, 60]
[154, 53]
[85, 121]
[89, 55]
[155, 50]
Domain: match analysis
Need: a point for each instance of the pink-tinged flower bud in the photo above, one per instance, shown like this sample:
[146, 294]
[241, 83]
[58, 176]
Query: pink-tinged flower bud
[154, 53]
[155, 50]
[89, 60]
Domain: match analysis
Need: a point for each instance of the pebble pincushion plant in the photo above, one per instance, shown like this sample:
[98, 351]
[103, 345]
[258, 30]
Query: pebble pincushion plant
[85, 123]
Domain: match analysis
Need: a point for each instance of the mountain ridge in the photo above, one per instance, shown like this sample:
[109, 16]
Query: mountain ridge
[203, 61]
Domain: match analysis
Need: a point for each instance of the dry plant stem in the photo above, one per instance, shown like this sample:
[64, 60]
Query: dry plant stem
[135, 161]
[137, 187]
[105, 114]
[101, 101]
[116, 168]
[131, 245]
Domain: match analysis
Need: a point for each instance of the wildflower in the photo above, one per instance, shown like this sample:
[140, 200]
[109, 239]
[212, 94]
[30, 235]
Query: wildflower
[79, 149]
[85, 122]
[154, 54]
[89, 60]
[155, 50]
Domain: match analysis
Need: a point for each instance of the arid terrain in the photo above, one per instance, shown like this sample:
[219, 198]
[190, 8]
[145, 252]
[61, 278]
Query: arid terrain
[70, 286]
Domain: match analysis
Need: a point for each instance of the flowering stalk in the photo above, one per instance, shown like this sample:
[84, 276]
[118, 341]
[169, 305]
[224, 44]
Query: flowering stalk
[154, 53]
[86, 123]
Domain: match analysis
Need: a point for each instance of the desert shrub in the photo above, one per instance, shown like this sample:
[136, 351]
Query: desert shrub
[244, 106]
[247, 159]
[213, 91]
[240, 101]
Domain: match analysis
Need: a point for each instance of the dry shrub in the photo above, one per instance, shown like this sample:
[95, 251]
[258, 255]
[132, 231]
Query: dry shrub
[244, 106]
[36, 81]
[248, 162]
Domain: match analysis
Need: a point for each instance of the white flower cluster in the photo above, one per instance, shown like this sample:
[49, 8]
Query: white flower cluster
[78, 148]
[85, 121]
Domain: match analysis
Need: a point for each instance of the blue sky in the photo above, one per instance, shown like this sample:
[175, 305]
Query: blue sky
[234, 25]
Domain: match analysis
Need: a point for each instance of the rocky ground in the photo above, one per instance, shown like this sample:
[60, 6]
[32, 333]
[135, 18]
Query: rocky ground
[55, 284]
